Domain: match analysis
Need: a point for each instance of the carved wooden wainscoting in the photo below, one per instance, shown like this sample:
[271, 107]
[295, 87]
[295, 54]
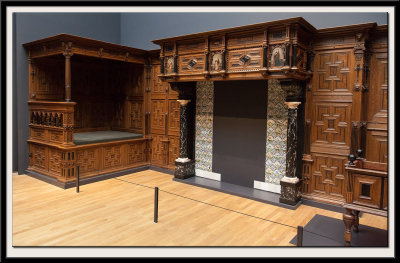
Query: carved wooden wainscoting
[60, 163]
[329, 127]
[346, 108]
[164, 121]
[375, 130]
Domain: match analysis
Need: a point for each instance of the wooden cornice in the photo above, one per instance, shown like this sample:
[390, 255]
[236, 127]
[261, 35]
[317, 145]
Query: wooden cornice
[54, 45]
[258, 26]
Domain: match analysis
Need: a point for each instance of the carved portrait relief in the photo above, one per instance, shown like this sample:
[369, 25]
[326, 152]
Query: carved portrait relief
[170, 65]
[277, 57]
[216, 62]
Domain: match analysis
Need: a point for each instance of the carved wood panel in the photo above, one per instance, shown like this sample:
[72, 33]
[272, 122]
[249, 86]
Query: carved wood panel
[191, 64]
[157, 116]
[245, 40]
[173, 150]
[112, 156]
[39, 156]
[39, 134]
[377, 145]
[87, 160]
[136, 115]
[158, 87]
[136, 152]
[55, 161]
[332, 71]
[173, 117]
[157, 152]
[56, 136]
[328, 175]
[248, 59]
[331, 123]
[367, 190]
[48, 79]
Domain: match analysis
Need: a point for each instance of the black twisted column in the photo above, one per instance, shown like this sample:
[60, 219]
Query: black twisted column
[184, 167]
[290, 184]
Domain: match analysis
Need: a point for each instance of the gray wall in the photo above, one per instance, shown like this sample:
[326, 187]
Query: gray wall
[33, 26]
[138, 29]
[131, 29]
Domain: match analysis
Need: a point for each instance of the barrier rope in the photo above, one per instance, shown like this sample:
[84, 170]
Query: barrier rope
[234, 211]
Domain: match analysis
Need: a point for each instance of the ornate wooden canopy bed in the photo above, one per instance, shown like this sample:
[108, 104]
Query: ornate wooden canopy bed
[86, 108]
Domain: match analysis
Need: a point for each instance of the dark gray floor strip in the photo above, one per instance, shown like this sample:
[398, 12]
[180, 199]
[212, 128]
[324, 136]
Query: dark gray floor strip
[323, 231]
[246, 192]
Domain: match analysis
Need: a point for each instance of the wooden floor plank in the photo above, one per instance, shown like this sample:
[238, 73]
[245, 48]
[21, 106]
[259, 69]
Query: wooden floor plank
[119, 212]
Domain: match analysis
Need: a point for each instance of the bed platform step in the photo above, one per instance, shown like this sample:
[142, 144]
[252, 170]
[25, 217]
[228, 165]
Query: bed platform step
[81, 138]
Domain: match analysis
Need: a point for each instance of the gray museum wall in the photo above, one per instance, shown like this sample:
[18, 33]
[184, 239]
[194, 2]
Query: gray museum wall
[32, 26]
[135, 30]
[139, 29]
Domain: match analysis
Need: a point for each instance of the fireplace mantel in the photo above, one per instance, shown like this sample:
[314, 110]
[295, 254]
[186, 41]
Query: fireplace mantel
[277, 49]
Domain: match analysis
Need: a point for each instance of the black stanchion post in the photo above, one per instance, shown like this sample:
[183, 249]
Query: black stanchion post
[77, 179]
[156, 205]
[299, 236]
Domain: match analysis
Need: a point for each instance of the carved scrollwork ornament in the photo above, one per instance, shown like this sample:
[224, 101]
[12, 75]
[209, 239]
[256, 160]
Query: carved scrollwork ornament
[100, 52]
[67, 49]
[364, 88]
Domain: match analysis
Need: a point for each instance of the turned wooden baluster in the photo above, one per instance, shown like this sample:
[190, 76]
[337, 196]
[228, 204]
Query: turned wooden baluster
[348, 219]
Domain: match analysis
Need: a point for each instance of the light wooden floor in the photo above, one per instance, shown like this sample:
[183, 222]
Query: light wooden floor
[117, 213]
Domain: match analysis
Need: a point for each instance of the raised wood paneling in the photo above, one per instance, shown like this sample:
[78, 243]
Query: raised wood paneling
[158, 88]
[39, 156]
[377, 107]
[245, 40]
[136, 116]
[157, 150]
[55, 161]
[332, 71]
[47, 76]
[112, 157]
[248, 59]
[173, 117]
[328, 176]
[367, 191]
[136, 153]
[87, 160]
[173, 150]
[165, 112]
[331, 124]
[330, 114]
[158, 116]
[191, 64]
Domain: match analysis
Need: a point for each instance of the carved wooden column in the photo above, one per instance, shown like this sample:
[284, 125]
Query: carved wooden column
[67, 54]
[184, 167]
[290, 183]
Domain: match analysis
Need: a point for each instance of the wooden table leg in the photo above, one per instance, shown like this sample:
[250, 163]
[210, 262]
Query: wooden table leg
[356, 220]
[348, 219]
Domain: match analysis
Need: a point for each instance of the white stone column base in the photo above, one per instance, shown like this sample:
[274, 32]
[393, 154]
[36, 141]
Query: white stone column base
[182, 160]
[292, 180]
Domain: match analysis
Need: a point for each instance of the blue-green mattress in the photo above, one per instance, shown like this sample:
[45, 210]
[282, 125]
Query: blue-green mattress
[81, 138]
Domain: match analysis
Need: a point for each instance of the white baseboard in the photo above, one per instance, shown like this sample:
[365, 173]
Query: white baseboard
[208, 175]
[275, 188]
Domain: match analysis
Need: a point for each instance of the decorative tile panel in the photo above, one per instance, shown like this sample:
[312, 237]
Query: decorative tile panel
[204, 125]
[277, 116]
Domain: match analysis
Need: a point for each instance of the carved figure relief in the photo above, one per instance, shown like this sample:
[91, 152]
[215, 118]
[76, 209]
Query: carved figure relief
[170, 65]
[277, 57]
